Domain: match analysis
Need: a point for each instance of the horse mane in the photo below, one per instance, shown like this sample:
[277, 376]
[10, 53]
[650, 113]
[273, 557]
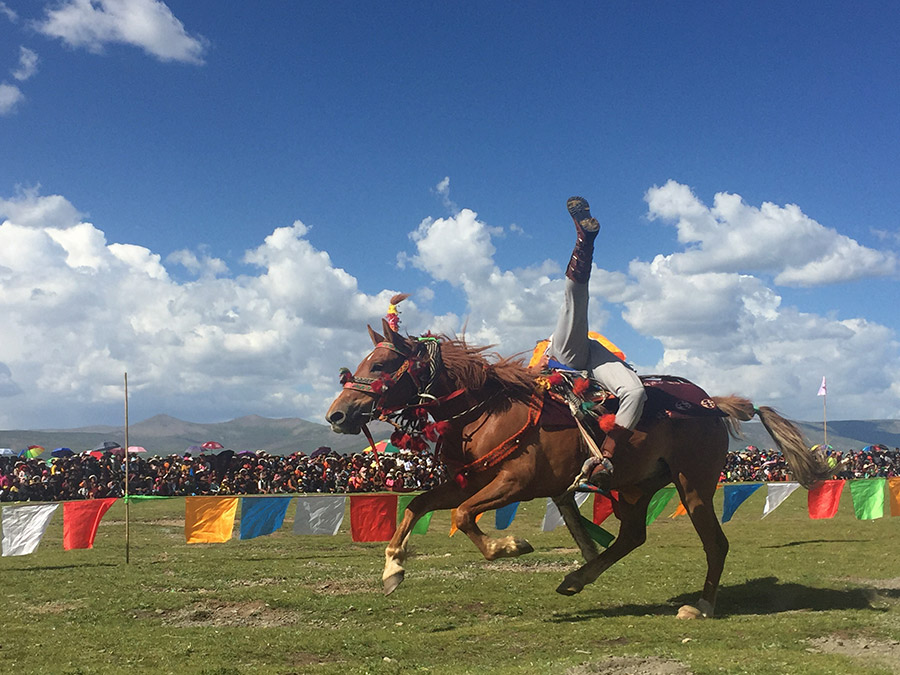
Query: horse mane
[476, 368]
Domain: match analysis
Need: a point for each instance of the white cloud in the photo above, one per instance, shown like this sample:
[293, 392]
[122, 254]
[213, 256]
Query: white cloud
[28, 64]
[10, 97]
[733, 236]
[8, 12]
[79, 311]
[146, 24]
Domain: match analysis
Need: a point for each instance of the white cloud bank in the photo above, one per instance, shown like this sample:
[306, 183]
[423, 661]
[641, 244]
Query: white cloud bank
[146, 24]
[10, 97]
[80, 311]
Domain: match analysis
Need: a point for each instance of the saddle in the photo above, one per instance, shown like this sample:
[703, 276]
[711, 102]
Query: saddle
[668, 396]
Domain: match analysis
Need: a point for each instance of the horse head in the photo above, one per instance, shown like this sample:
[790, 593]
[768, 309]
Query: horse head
[385, 381]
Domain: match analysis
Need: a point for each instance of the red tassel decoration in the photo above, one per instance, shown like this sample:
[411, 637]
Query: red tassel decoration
[555, 378]
[461, 480]
[606, 423]
[581, 385]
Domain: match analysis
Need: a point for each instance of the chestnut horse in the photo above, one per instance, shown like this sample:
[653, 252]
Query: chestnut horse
[494, 445]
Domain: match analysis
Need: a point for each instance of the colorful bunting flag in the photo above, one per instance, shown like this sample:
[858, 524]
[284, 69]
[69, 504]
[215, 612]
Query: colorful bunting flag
[453, 526]
[209, 520]
[658, 502]
[373, 517]
[603, 506]
[868, 497]
[262, 515]
[894, 495]
[823, 500]
[504, 515]
[421, 526]
[735, 495]
[319, 515]
[24, 527]
[80, 521]
[776, 494]
[596, 532]
[553, 518]
[680, 510]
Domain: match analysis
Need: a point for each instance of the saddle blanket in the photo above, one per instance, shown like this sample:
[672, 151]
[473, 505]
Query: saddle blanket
[668, 396]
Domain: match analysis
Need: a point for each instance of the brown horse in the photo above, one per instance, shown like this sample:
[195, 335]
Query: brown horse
[499, 451]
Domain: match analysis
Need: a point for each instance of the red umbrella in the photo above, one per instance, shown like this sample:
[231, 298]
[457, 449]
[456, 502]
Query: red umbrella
[212, 445]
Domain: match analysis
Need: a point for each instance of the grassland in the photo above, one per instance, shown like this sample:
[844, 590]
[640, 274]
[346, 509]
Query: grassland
[798, 596]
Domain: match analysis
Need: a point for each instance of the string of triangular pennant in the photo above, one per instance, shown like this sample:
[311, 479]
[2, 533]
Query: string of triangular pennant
[374, 517]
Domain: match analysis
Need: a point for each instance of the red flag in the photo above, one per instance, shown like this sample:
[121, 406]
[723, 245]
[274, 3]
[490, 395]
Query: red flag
[823, 500]
[603, 507]
[373, 517]
[80, 521]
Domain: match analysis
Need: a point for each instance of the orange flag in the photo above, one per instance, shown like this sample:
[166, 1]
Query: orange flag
[209, 520]
[80, 521]
[453, 527]
[823, 500]
[894, 495]
[373, 517]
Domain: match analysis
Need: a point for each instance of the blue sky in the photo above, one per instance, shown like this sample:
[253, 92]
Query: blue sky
[217, 198]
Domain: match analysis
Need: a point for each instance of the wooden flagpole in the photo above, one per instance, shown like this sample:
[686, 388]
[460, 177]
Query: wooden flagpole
[127, 471]
[825, 415]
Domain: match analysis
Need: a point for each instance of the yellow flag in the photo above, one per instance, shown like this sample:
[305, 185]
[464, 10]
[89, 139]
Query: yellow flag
[209, 520]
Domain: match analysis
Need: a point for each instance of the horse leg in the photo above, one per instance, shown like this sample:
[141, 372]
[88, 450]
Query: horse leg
[632, 533]
[444, 496]
[503, 490]
[699, 505]
[569, 511]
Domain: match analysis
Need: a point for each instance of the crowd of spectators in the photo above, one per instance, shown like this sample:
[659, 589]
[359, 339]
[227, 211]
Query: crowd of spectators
[753, 464]
[98, 475]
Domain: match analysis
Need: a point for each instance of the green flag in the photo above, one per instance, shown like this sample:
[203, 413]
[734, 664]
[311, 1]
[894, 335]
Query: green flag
[868, 497]
[421, 526]
[659, 502]
[596, 532]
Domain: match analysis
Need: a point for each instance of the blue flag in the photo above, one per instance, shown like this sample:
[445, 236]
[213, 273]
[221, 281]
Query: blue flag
[262, 515]
[504, 516]
[735, 496]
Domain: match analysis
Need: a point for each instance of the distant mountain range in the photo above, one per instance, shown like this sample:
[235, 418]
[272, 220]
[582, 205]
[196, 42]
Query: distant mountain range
[163, 434]
[166, 435]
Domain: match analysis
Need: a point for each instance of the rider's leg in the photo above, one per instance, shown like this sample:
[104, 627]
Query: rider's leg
[569, 344]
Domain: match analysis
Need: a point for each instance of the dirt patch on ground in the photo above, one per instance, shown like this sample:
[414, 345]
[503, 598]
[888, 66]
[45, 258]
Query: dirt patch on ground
[885, 653]
[56, 607]
[631, 665]
[530, 566]
[883, 584]
[217, 613]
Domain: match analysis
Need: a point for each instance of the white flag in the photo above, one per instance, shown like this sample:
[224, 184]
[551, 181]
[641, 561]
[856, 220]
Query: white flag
[553, 518]
[319, 515]
[823, 391]
[778, 492]
[24, 527]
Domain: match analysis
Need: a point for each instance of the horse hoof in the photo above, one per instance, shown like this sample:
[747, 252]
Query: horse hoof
[524, 546]
[689, 612]
[569, 588]
[391, 583]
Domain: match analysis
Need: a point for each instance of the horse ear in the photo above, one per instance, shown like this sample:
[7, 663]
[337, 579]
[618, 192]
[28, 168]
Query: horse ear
[376, 338]
[394, 337]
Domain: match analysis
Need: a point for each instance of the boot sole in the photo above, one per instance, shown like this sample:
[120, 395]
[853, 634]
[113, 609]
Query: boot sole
[580, 211]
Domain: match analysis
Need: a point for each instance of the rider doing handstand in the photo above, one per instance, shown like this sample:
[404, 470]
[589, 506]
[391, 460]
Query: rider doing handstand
[571, 346]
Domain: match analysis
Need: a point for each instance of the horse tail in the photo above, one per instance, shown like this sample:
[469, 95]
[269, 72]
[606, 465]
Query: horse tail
[807, 466]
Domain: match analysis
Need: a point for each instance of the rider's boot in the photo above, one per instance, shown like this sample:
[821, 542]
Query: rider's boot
[586, 228]
[600, 469]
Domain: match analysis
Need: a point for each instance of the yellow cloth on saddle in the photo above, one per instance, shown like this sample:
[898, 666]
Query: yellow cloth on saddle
[541, 348]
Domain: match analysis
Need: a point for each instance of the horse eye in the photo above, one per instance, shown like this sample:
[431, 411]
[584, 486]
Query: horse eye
[377, 367]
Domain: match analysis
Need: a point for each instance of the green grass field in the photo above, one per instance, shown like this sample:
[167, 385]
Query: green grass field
[798, 596]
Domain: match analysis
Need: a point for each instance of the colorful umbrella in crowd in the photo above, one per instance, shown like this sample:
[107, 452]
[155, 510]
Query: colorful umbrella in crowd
[212, 445]
[32, 451]
[321, 450]
[193, 448]
[136, 448]
[62, 452]
[7, 452]
[382, 446]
